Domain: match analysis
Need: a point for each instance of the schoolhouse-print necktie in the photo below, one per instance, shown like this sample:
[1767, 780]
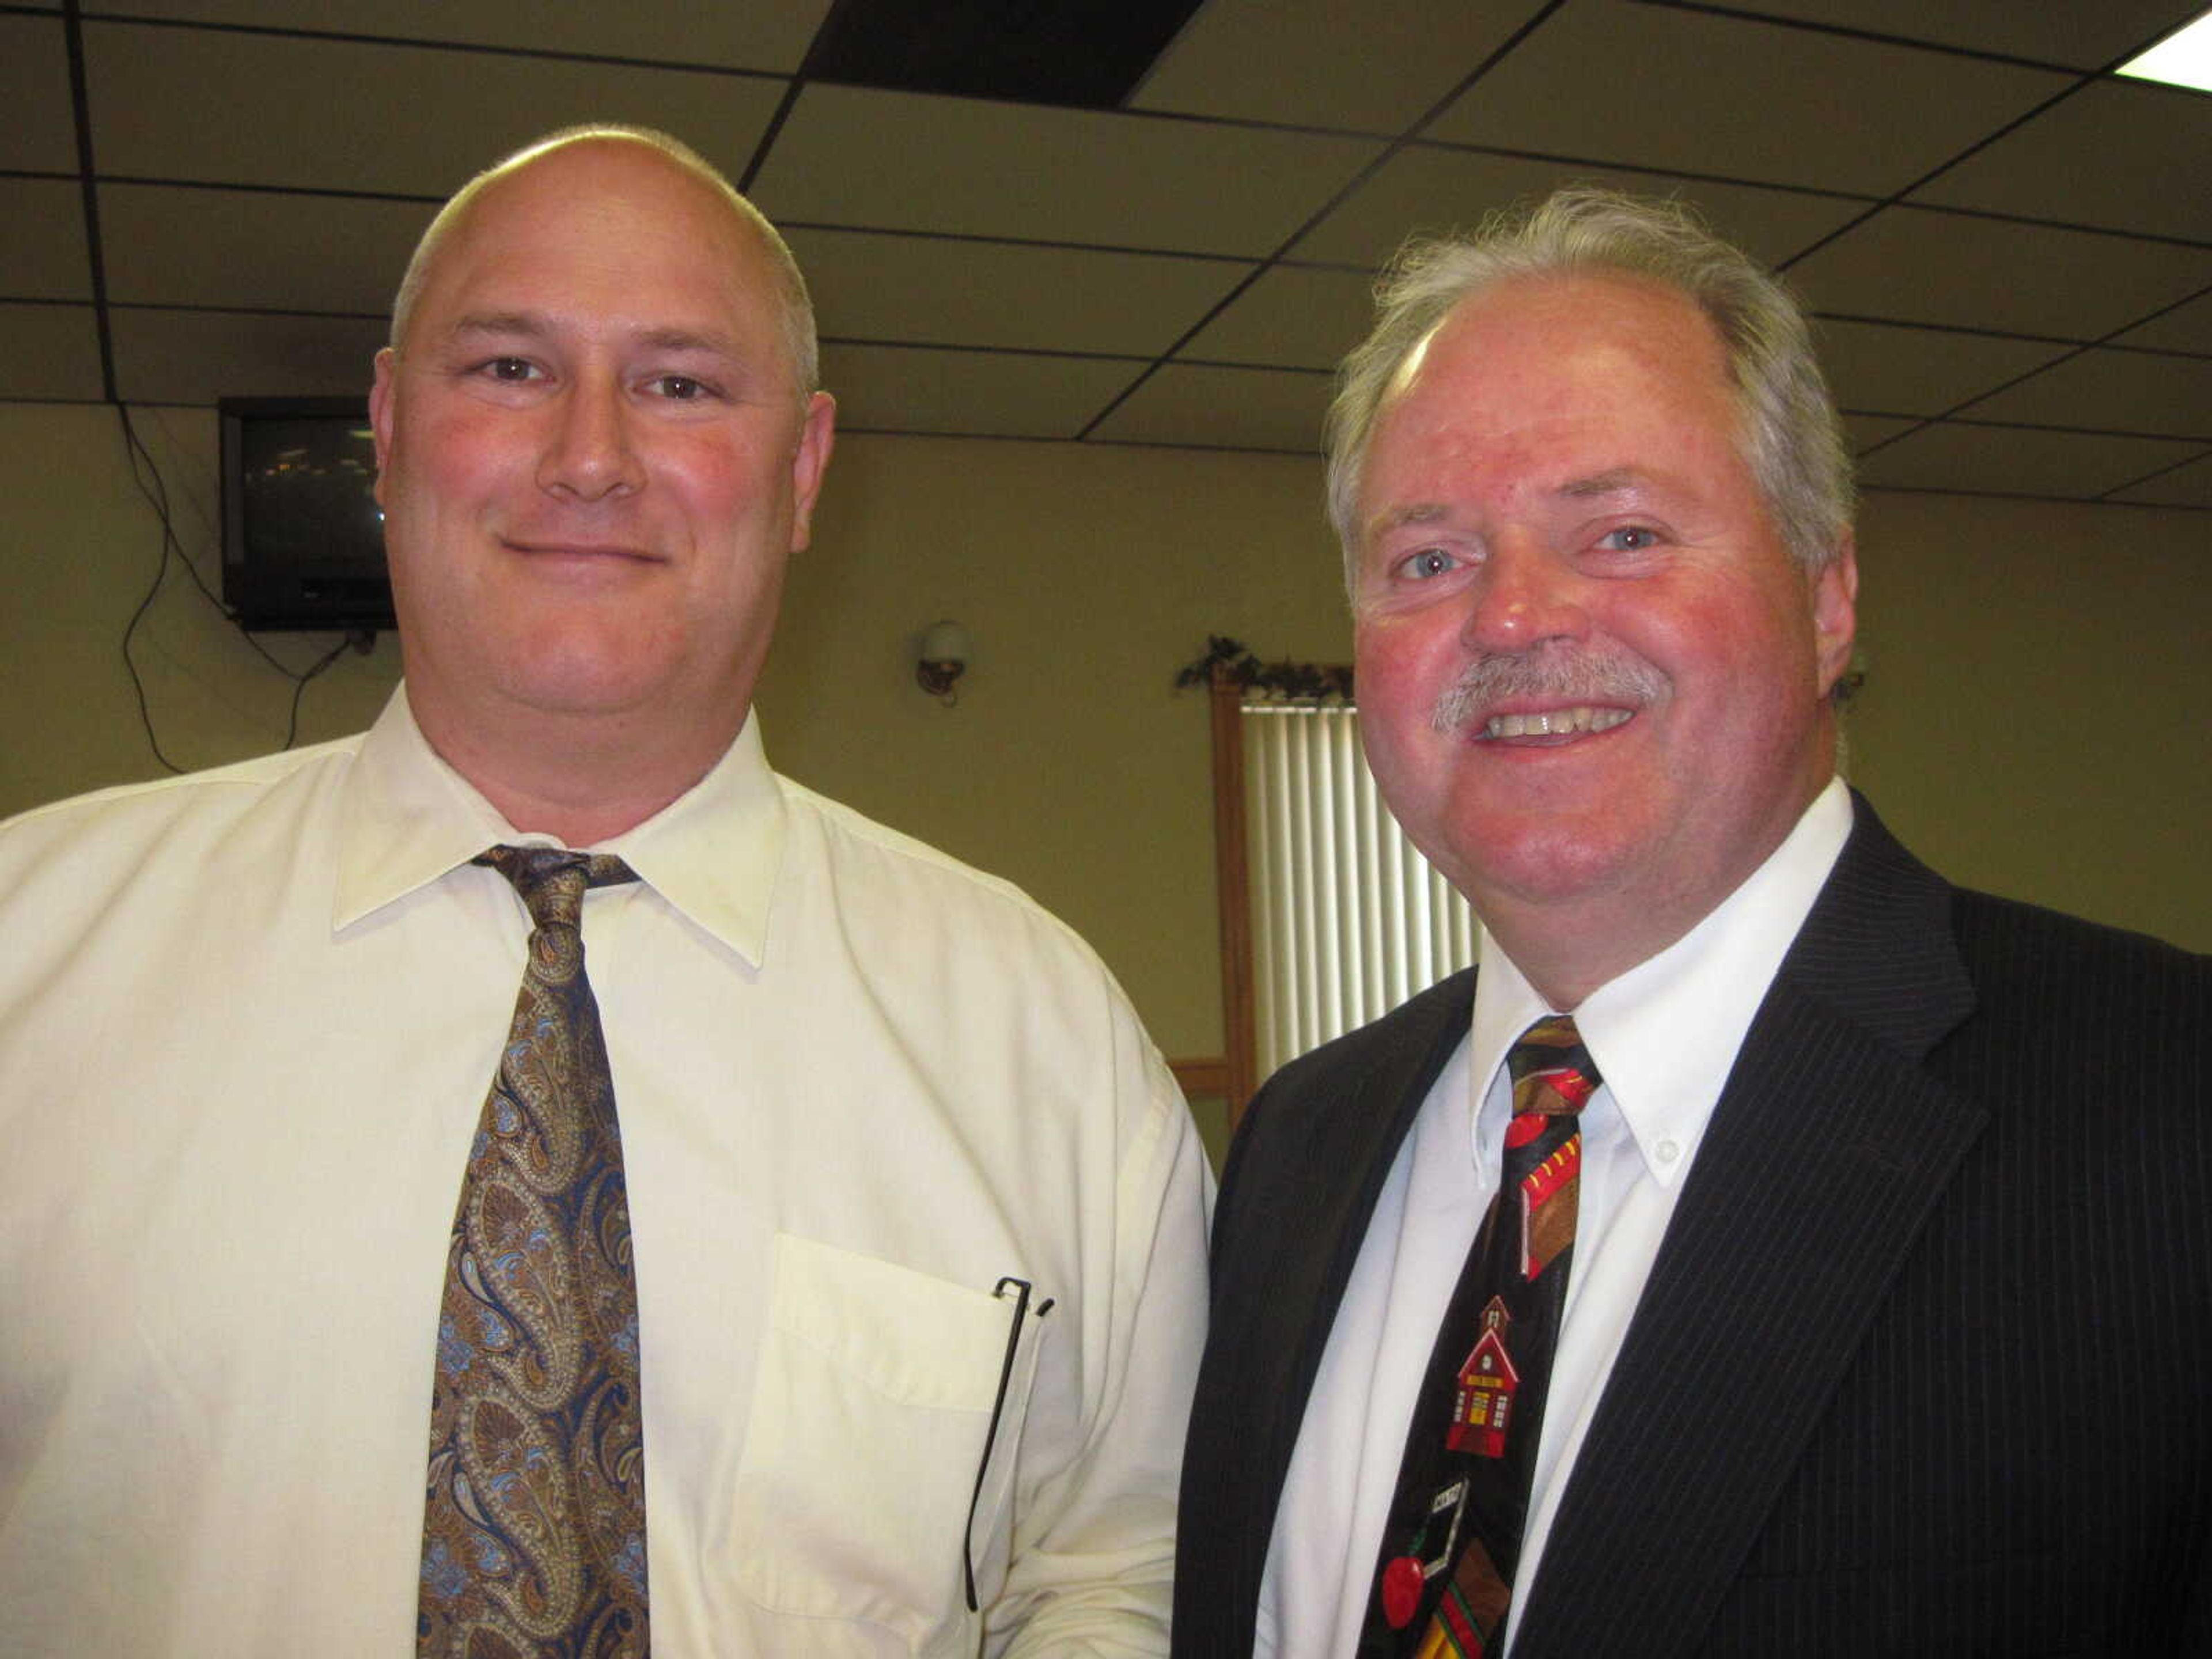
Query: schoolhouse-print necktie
[1453, 1541]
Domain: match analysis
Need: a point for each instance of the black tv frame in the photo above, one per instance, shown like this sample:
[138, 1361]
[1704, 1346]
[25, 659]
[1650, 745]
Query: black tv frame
[297, 594]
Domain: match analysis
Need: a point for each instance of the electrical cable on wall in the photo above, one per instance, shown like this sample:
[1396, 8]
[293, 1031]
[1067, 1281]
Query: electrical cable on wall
[146, 474]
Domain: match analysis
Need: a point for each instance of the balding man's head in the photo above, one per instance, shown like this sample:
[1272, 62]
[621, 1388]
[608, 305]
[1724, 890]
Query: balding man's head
[796, 305]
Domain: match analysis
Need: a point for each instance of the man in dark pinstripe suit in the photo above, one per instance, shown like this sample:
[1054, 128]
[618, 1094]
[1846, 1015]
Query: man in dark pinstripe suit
[1886, 1328]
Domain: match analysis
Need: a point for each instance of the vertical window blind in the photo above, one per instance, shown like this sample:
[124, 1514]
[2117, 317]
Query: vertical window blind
[1348, 920]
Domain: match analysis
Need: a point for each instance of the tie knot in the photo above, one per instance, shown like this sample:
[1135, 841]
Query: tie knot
[1551, 1071]
[551, 880]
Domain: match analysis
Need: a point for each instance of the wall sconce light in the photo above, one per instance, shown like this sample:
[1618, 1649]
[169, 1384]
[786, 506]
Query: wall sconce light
[945, 652]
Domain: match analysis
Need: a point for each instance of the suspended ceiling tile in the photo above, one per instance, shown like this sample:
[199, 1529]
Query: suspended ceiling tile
[1286, 60]
[2121, 154]
[342, 115]
[43, 257]
[48, 353]
[197, 357]
[985, 393]
[929, 290]
[2017, 460]
[756, 37]
[1292, 317]
[171, 245]
[2079, 36]
[1881, 368]
[1917, 265]
[1434, 191]
[870, 160]
[1864, 432]
[2113, 391]
[2184, 486]
[2187, 327]
[1693, 92]
[39, 134]
[1224, 408]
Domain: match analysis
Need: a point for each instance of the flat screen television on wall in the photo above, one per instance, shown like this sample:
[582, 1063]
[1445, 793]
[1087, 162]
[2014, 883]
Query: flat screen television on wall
[302, 535]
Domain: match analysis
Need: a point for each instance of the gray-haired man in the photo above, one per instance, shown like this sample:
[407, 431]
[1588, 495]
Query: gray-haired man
[1857, 1302]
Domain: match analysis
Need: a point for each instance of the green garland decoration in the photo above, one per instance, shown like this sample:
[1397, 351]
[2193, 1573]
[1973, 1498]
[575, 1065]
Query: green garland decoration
[1303, 682]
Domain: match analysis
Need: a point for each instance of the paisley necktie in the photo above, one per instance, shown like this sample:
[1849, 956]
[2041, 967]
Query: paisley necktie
[534, 1524]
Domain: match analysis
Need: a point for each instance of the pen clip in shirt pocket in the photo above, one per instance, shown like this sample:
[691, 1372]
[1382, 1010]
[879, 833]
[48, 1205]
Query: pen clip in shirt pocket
[871, 1411]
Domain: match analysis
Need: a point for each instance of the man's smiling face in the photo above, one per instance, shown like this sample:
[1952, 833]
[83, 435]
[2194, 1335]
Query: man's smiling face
[593, 459]
[1591, 680]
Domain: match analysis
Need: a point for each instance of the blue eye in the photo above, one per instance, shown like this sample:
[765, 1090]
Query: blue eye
[1630, 538]
[1429, 562]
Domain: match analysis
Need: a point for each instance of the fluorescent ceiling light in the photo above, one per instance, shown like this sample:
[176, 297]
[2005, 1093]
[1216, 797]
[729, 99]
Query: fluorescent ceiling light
[2183, 59]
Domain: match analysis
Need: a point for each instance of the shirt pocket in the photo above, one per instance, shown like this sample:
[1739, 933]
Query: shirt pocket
[872, 1411]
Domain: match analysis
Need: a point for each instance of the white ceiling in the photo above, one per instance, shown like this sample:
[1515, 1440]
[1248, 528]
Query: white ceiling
[2009, 252]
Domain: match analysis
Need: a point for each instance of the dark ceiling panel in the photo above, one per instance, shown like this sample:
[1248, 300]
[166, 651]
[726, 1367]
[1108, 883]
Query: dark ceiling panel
[1086, 54]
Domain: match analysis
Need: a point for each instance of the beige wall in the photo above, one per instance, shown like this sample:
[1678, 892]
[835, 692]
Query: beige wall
[78, 550]
[2034, 716]
[2031, 722]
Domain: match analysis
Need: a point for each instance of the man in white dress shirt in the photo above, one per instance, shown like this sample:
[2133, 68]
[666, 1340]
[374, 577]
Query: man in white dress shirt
[918, 1215]
[1597, 522]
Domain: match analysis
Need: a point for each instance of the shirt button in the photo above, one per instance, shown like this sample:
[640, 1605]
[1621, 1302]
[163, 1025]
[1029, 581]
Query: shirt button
[1668, 1152]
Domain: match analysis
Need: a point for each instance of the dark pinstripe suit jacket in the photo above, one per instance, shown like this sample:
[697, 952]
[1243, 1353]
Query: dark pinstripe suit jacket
[1924, 1363]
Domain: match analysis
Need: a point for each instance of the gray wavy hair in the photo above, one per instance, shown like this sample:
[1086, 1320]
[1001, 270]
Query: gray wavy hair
[1790, 439]
[793, 301]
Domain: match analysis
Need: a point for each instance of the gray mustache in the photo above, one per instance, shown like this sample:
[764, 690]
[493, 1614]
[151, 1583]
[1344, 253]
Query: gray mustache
[1570, 675]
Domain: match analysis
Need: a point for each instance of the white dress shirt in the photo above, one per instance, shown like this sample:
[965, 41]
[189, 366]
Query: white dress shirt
[1664, 1036]
[247, 1022]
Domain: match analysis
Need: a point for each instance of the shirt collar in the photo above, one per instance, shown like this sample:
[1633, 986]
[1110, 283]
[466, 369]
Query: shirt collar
[1665, 1035]
[408, 818]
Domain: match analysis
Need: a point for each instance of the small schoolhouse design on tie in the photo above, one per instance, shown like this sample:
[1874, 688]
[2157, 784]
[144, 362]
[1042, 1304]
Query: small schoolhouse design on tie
[1483, 1410]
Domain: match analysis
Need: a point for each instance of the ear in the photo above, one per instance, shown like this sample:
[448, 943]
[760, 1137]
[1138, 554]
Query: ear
[380, 414]
[1835, 612]
[817, 436]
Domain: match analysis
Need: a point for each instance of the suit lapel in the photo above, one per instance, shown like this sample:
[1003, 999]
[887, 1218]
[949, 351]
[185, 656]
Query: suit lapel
[1826, 1151]
[1332, 1135]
